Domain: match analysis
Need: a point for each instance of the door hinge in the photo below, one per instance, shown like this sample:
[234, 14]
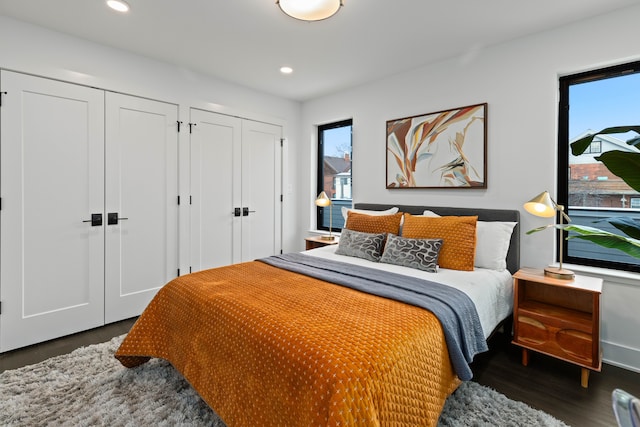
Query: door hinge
[281, 142]
[0, 307]
[178, 199]
[281, 198]
[280, 251]
[190, 270]
[179, 124]
[190, 200]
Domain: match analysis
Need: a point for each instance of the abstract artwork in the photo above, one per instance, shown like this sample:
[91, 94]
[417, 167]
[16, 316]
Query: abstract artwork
[445, 149]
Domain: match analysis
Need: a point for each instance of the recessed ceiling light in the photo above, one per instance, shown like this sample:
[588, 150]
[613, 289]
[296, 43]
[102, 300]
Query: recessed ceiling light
[310, 10]
[119, 5]
[286, 70]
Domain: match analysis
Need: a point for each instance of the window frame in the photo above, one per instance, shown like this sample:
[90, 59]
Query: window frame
[563, 170]
[320, 167]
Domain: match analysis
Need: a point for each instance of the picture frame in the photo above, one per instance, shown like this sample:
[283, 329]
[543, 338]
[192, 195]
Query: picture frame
[444, 149]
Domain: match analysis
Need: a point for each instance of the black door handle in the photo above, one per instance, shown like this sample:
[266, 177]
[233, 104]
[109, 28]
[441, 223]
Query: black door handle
[96, 220]
[236, 212]
[112, 218]
[246, 211]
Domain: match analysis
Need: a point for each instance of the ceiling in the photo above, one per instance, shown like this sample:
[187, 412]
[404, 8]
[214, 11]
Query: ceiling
[247, 41]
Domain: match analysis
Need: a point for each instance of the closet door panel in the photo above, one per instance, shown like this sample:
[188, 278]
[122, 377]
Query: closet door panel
[52, 179]
[261, 189]
[142, 189]
[215, 188]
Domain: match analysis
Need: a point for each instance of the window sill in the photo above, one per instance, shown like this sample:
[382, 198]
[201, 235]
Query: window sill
[618, 276]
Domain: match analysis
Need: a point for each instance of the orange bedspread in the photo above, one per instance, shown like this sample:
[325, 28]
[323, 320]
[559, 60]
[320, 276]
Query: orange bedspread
[268, 347]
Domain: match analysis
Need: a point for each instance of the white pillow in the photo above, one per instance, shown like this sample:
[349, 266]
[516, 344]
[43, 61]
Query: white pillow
[492, 242]
[345, 212]
[430, 214]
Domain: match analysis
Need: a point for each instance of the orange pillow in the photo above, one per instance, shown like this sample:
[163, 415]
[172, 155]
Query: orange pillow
[374, 223]
[457, 232]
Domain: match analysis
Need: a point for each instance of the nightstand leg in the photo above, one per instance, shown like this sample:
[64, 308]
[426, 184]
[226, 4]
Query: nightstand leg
[525, 357]
[584, 378]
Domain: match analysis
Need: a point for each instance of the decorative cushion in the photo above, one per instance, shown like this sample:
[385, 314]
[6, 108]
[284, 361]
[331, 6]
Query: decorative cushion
[345, 211]
[492, 242]
[374, 223]
[457, 232]
[414, 253]
[360, 245]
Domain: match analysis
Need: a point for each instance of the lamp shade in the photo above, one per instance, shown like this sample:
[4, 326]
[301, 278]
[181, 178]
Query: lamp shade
[310, 10]
[541, 205]
[323, 200]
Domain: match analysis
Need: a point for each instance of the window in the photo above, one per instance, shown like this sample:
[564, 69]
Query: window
[594, 148]
[590, 102]
[334, 172]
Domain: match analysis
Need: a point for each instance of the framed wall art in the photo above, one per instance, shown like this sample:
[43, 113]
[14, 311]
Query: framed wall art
[445, 149]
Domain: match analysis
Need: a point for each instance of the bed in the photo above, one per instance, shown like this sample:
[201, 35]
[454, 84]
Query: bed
[324, 339]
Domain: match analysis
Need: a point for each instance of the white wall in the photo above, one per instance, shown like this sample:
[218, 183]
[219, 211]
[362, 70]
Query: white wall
[34, 50]
[519, 81]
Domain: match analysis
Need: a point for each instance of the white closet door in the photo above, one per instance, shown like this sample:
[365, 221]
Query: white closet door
[141, 251]
[215, 189]
[51, 180]
[261, 189]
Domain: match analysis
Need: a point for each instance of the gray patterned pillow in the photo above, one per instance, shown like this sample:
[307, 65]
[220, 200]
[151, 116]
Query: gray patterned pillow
[360, 245]
[414, 253]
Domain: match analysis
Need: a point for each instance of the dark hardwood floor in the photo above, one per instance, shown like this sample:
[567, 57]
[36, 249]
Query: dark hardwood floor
[552, 385]
[547, 384]
[39, 352]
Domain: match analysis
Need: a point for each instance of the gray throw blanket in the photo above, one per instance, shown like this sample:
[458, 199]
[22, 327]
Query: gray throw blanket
[453, 308]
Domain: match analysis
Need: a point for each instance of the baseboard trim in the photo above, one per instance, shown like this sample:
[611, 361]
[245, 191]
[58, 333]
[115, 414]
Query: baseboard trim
[621, 356]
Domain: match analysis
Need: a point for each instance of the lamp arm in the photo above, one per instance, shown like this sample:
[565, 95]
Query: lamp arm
[560, 208]
[560, 236]
[563, 214]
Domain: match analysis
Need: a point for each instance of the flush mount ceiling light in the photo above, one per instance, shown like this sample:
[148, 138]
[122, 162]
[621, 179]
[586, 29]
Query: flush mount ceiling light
[310, 10]
[118, 5]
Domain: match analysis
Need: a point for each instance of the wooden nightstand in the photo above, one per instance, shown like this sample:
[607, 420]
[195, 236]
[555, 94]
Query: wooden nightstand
[560, 318]
[318, 242]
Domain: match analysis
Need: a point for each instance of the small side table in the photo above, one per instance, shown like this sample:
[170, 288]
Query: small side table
[318, 242]
[559, 318]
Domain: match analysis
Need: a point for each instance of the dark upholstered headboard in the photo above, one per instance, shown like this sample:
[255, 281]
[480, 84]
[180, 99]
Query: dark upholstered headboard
[513, 255]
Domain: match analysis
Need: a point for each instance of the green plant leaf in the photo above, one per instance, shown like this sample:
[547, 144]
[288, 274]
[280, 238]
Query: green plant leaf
[578, 147]
[623, 164]
[603, 238]
[626, 224]
[544, 227]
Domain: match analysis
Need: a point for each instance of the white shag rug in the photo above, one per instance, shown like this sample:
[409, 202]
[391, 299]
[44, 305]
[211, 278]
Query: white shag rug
[89, 387]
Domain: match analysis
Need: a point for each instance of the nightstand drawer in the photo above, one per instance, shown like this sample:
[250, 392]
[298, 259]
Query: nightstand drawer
[571, 344]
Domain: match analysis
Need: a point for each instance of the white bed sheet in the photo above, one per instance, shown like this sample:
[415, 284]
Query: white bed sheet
[491, 291]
